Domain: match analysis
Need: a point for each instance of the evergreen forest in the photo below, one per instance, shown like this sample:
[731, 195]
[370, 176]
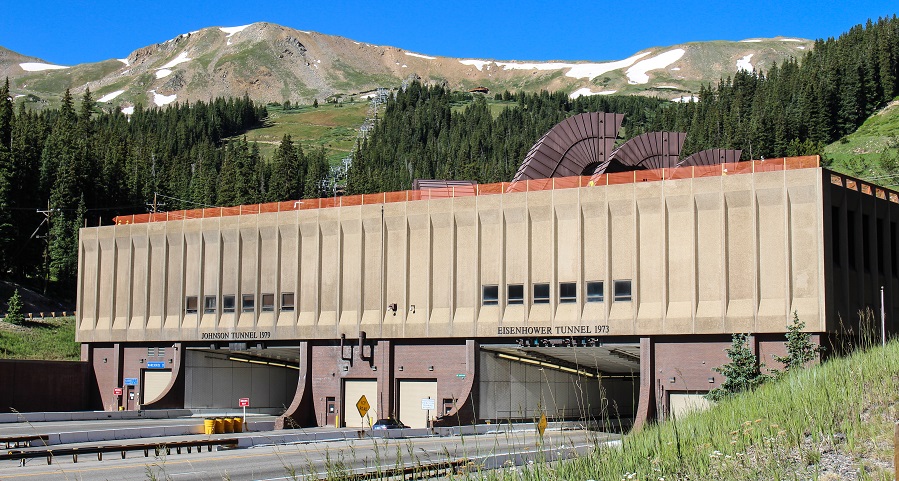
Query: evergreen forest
[795, 108]
[80, 165]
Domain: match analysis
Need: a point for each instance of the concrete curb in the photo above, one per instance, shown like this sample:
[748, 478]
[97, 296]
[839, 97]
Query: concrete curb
[101, 435]
[93, 415]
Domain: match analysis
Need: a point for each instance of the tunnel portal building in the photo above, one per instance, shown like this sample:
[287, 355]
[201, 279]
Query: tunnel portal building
[599, 284]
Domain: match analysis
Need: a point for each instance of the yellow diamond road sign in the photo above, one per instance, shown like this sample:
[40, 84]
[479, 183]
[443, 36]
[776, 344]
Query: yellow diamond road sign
[541, 424]
[362, 406]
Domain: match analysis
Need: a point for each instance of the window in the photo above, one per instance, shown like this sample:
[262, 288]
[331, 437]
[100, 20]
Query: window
[595, 291]
[227, 303]
[516, 294]
[191, 305]
[287, 301]
[248, 303]
[622, 290]
[490, 295]
[268, 302]
[835, 235]
[567, 292]
[151, 352]
[894, 250]
[866, 242]
[209, 305]
[541, 293]
[851, 230]
[881, 255]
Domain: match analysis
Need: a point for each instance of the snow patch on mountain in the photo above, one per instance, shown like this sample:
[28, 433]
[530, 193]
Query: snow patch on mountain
[108, 97]
[125, 61]
[420, 56]
[637, 74]
[163, 72]
[593, 70]
[181, 58]
[232, 30]
[752, 40]
[688, 98]
[39, 67]
[743, 63]
[478, 64]
[128, 110]
[161, 100]
[575, 70]
[585, 91]
[790, 39]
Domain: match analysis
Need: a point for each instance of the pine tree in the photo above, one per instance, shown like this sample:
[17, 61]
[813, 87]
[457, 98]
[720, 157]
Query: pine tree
[14, 310]
[800, 348]
[742, 373]
[287, 175]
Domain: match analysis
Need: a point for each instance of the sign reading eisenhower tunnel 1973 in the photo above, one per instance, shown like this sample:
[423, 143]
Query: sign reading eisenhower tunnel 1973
[362, 406]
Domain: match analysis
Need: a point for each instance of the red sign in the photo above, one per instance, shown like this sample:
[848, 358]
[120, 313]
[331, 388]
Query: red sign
[117, 391]
[244, 402]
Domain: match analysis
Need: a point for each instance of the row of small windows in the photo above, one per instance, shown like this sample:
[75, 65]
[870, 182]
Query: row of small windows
[247, 303]
[567, 293]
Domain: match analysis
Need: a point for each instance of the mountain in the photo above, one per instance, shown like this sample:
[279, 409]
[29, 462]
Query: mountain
[272, 63]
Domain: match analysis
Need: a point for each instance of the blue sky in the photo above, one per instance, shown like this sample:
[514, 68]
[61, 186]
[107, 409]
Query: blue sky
[76, 31]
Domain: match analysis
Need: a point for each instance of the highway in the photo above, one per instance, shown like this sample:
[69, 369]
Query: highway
[299, 461]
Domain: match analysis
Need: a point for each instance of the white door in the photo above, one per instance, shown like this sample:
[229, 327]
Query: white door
[679, 404]
[411, 394]
[353, 390]
[155, 382]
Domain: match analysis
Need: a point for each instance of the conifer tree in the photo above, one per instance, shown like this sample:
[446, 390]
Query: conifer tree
[742, 373]
[14, 309]
[800, 348]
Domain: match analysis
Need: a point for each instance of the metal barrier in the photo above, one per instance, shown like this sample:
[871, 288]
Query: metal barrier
[21, 456]
[24, 441]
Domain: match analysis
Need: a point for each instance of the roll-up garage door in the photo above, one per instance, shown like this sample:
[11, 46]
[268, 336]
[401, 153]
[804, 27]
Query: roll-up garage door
[680, 404]
[352, 391]
[411, 394]
[154, 384]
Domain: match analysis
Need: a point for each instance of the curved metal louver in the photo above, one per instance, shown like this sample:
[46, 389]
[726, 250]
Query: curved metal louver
[572, 147]
[652, 150]
[711, 157]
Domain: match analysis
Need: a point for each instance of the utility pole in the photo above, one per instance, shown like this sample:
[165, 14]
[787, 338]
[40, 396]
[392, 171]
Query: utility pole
[154, 207]
[47, 214]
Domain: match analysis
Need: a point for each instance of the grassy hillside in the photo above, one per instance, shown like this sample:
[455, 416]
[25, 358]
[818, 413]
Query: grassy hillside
[329, 126]
[834, 421]
[51, 339]
[872, 151]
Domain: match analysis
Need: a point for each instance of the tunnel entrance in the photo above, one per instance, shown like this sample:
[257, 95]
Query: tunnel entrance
[215, 379]
[598, 383]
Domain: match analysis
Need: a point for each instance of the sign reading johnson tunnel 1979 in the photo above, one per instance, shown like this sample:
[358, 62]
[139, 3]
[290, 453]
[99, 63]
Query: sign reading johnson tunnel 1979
[579, 330]
[236, 336]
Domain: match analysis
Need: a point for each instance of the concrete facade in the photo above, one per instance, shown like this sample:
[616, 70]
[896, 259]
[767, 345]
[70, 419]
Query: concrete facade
[412, 290]
[726, 254]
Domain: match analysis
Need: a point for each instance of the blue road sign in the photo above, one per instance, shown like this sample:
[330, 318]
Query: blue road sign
[156, 365]
[131, 381]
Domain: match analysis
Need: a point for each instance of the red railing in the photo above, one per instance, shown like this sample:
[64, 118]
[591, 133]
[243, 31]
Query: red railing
[654, 175]
[867, 188]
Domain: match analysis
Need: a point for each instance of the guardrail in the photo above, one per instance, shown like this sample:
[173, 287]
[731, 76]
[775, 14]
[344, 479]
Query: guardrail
[19, 441]
[22, 456]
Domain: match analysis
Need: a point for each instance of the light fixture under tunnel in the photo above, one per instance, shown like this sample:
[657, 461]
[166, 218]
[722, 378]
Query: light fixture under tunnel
[267, 363]
[548, 365]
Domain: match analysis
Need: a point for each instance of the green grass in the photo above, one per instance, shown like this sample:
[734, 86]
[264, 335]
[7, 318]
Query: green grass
[844, 408]
[330, 126]
[51, 339]
[862, 153]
